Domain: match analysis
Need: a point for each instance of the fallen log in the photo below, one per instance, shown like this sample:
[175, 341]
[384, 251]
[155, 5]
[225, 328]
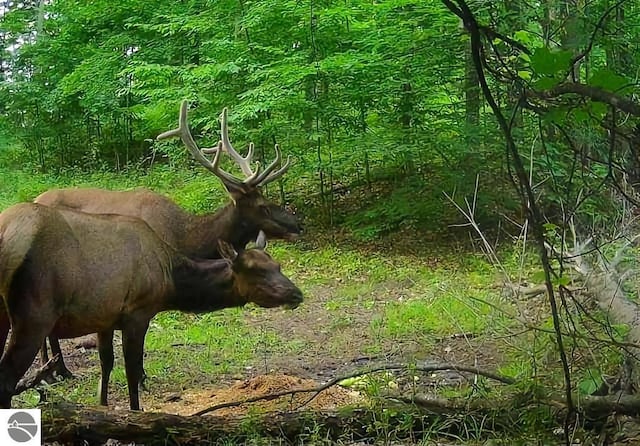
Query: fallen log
[70, 424]
[406, 417]
[67, 423]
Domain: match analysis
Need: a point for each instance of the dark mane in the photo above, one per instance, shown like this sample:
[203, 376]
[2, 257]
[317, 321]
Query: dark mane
[193, 281]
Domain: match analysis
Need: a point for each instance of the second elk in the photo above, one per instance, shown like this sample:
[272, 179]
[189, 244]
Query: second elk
[69, 274]
[193, 235]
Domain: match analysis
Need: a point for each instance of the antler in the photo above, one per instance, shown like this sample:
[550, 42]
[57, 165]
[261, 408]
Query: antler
[185, 135]
[261, 240]
[253, 178]
[243, 162]
[256, 178]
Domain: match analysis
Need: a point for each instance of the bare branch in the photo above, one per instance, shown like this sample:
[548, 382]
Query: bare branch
[386, 367]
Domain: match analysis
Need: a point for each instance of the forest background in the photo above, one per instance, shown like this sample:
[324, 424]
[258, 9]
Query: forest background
[376, 94]
[401, 117]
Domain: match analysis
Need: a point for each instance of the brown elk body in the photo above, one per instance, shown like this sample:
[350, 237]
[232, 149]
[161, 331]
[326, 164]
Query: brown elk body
[66, 274]
[193, 235]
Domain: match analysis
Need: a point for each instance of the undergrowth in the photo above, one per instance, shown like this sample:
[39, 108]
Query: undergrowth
[359, 303]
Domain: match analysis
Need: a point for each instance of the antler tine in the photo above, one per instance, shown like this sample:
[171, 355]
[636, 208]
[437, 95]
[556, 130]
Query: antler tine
[243, 162]
[209, 150]
[268, 175]
[261, 240]
[278, 173]
[185, 135]
[215, 168]
[187, 139]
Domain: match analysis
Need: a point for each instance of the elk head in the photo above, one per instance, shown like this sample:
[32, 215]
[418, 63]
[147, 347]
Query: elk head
[258, 277]
[253, 208]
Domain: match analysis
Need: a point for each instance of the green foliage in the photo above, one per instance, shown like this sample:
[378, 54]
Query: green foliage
[550, 66]
[343, 88]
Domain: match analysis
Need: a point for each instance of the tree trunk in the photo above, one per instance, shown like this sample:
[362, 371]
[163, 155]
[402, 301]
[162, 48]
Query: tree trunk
[471, 92]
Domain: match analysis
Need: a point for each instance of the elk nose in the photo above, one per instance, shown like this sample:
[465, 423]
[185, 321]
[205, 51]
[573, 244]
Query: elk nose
[296, 300]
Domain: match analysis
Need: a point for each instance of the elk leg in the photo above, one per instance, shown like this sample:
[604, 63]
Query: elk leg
[4, 326]
[133, 350]
[105, 351]
[143, 380]
[61, 369]
[24, 343]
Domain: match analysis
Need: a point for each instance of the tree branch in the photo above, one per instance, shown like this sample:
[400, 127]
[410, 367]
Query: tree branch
[588, 91]
[35, 379]
[526, 191]
[597, 28]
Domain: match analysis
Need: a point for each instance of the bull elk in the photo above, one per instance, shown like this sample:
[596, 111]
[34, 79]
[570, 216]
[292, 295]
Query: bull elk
[193, 235]
[66, 274]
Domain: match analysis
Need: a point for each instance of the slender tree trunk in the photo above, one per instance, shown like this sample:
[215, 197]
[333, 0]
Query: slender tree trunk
[406, 112]
[571, 37]
[472, 97]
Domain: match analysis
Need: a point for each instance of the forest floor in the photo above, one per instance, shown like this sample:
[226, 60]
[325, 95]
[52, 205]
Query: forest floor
[364, 305]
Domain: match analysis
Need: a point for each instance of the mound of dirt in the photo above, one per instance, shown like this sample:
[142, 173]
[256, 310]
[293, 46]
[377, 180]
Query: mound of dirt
[190, 402]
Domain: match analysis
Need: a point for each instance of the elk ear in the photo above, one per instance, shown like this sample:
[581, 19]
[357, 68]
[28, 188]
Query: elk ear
[261, 241]
[226, 250]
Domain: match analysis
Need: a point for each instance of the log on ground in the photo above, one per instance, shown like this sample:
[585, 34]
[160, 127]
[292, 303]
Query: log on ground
[74, 424]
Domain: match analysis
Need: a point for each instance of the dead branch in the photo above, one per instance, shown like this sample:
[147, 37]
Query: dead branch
[387, 367]
[593, 407]
[38, 377]
[600, 406]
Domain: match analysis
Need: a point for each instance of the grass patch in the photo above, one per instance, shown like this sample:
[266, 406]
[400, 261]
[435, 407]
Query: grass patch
[196, 191]
[437, 316]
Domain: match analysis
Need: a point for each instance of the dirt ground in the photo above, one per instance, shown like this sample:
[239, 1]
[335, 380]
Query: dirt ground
[190, 402]
[315, 364]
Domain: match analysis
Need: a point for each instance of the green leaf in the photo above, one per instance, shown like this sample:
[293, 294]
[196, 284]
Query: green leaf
[608, 80]
[522, 36]
[580, 115]
[548, 63]
[526, 75]
[620, 331]
[556, 116]
[598, 109]
[590, 384]
[542, 61]
[545, 83]
[538, 276]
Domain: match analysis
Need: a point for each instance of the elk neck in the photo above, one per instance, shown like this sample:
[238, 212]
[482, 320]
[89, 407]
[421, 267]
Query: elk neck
[226, 224]
[202, 286]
